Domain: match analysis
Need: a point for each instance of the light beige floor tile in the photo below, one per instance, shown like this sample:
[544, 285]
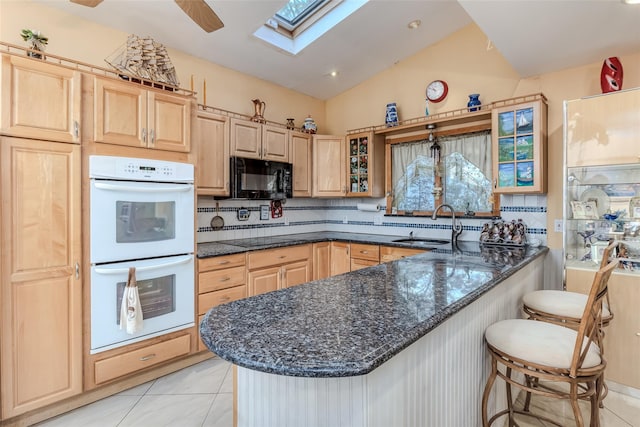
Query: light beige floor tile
[221, 412]
[227, 384]
[138, 390]
[625, 407]
[103, 413]
[184, 410]
[204, 377]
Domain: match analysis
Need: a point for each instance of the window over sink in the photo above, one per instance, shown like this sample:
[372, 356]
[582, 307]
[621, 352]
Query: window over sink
[454, 169]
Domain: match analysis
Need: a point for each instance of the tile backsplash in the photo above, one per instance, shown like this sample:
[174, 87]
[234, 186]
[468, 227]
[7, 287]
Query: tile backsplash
[303, 215]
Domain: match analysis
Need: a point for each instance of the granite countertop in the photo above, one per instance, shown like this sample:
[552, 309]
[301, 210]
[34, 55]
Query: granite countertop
[228, 247]
[350, 324]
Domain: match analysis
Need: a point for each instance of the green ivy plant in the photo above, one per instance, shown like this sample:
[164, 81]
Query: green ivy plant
[37, 40]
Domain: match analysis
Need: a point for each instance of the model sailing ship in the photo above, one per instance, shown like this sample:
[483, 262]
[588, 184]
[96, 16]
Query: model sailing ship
[145, 58]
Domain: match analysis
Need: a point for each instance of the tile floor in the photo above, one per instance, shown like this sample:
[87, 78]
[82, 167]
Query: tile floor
[202, 396]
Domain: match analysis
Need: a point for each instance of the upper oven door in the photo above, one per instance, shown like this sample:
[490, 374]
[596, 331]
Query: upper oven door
[134, 220]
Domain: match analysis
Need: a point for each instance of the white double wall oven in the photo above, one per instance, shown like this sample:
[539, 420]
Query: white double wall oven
[141, 216]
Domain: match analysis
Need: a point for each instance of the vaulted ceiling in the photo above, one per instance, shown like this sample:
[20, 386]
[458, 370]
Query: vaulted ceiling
[534, 36]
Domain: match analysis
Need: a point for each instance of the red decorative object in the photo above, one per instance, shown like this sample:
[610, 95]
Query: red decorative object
[611, 75]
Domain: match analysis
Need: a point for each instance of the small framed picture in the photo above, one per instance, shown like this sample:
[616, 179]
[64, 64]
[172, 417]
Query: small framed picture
[634, 207]
[597, 250]
[584, 210]
[264, 212]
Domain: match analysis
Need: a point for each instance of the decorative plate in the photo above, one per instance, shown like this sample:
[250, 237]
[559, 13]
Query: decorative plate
[599, 197]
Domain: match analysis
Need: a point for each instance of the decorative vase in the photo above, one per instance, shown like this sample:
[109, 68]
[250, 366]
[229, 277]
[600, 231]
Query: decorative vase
[611, 75]
[391, 117]
[474, 103]
[259, 107]
[309, 125]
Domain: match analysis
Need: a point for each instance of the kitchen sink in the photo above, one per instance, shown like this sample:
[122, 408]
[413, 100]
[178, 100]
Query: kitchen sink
[419, 241]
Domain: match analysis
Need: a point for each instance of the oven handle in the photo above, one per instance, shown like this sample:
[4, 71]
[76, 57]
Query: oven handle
[155, 189]
[183, 260]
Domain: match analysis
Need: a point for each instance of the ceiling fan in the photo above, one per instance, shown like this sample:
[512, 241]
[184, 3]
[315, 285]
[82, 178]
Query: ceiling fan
[198, 10]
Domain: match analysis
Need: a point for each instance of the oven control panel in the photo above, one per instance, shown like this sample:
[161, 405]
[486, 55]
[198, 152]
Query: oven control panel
[133, 169]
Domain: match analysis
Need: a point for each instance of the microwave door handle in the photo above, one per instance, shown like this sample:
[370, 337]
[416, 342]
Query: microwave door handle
[155, 189]
[106, 270]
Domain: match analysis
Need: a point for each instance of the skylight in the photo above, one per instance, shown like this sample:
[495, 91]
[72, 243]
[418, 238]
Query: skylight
[301, 22]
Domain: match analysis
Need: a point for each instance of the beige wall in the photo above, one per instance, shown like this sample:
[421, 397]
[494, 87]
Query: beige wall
[468, 66]
[81, 40]
[466, 60]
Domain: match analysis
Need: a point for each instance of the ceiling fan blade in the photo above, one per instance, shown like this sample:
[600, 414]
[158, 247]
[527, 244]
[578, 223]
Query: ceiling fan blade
[89, 3]
[201, 14]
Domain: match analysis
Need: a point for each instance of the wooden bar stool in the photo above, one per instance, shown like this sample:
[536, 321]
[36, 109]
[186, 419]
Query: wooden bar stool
[548, 355]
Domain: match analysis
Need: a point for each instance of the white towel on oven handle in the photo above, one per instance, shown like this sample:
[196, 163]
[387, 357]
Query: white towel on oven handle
[131, 309]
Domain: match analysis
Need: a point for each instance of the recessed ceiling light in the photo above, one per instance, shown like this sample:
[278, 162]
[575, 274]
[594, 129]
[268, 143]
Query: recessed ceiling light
[333, 73]
[631, 1]
[414, 24]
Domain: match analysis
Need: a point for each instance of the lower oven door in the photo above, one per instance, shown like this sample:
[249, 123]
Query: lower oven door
[166, 291]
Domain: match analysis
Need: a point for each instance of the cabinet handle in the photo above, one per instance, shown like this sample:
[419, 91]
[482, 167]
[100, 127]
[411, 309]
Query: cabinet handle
[77, 270]
[152, 135]
[225, 298]
[282, 256]
[76, 128]
[144, 134]
[147, 357]
[495, 183]
[225, 279]
[364, 252]
[226, 261]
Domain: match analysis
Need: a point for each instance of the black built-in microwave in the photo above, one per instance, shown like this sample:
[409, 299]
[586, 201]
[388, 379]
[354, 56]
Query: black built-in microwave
[260, 179]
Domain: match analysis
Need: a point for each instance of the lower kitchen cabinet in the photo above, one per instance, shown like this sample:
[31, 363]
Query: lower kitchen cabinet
[392, 253]
[363, 256]
[340, 258]
[220, 279]
[41, 292]
[274, 269]
[321, 260]
[622, 336]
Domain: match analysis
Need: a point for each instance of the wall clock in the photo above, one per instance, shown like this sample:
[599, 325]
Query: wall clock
[437, 90]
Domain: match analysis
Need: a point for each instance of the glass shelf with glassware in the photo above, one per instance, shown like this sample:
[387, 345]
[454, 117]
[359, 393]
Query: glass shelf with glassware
[602, 203]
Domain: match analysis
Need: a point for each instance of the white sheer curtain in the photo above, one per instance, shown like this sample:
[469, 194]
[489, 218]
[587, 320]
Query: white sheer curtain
[466, 169]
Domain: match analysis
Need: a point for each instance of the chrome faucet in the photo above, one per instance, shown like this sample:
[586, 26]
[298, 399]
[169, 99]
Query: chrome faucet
[456, 228]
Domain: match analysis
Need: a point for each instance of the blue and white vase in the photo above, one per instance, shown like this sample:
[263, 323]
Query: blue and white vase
[391, 118]
[474, 102]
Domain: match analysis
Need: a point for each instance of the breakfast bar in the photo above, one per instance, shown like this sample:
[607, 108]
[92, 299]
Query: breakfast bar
[394, 344]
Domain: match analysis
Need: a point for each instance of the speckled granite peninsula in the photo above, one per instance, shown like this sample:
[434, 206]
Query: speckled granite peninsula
[393, 344]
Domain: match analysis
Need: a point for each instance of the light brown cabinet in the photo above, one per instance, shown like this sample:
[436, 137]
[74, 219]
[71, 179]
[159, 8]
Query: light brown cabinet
[392, 253]
[622, 336]
[365, 165]
[259, 141]
[340, 258]
[519, 147]
[41, 293]
[130, 115]
[301, 157]
[603, 129]
[221, 279]
[211, 149]
[321, 260]
[329, 166]
[364, 255]
[40, 100]
[274, 269]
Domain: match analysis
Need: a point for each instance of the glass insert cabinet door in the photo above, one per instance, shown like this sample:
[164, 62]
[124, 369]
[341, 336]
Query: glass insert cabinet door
[519, 147]
[358, 168]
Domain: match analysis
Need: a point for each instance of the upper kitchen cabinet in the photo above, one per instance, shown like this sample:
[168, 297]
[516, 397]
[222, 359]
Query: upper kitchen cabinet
[211, 149]
[301, 157]
[40, 100]
[603, 129]
[519, 141]
[365, 166]
[128, 114]
[329, 166]
[41, 292]
[259, 141]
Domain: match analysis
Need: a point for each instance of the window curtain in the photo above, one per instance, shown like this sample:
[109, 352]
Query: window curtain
[412, 169]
